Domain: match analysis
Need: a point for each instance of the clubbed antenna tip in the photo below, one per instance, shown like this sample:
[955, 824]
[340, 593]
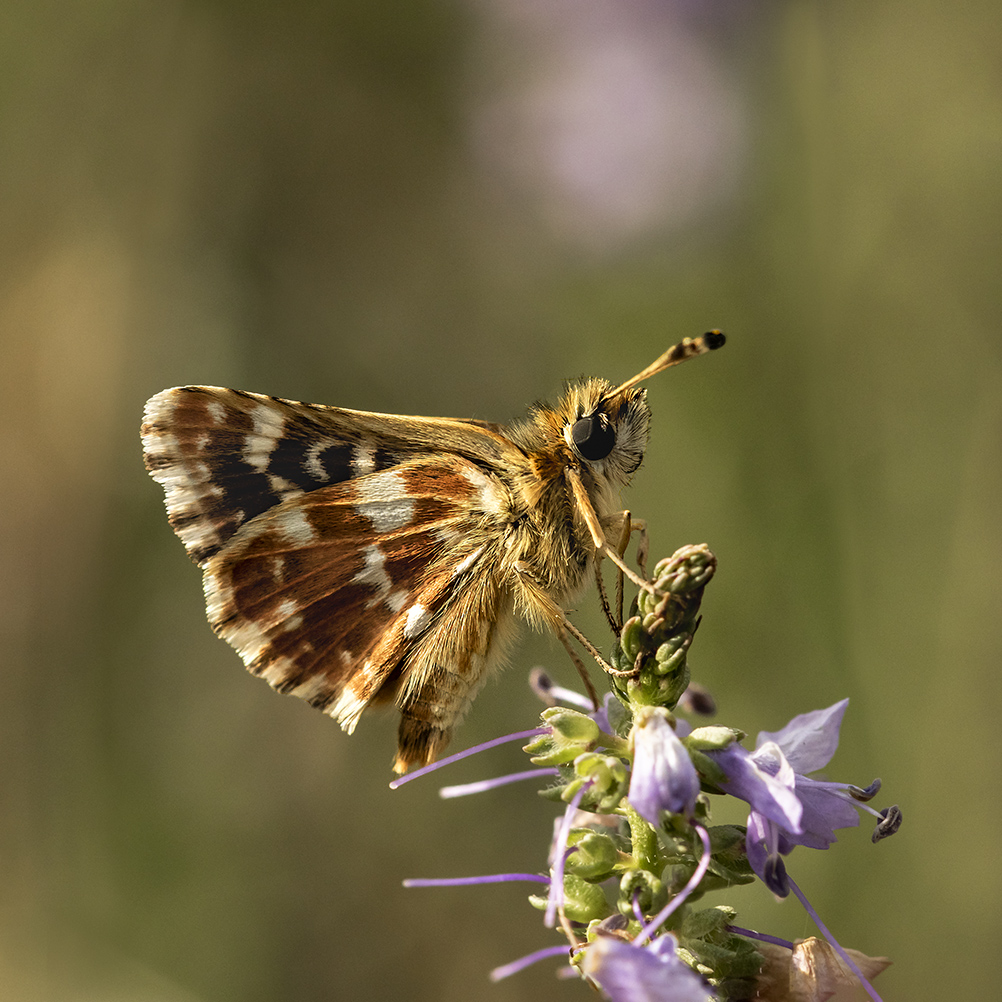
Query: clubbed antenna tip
[677, 353]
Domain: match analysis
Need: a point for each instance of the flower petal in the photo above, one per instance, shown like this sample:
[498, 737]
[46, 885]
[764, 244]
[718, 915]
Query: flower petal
[826, 808]
[663, 776]
[810, 739]
[770, 791]
[628, 973]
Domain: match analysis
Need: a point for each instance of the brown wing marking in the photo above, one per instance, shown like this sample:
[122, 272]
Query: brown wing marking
[223, 457]
[338, 596]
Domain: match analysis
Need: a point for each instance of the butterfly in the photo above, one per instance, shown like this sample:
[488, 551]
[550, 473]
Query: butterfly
[356, 559]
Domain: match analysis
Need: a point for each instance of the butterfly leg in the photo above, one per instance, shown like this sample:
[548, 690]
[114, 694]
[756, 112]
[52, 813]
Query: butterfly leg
[622, 519]
[582, 670]
[627, 526]
[571, 629]
[539, 608]
[601, 544]
[639, 526]
[604, 599]
[624, 541]
[542, 609]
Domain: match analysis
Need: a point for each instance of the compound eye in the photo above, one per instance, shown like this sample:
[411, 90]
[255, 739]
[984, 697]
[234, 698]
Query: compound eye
[593, 437]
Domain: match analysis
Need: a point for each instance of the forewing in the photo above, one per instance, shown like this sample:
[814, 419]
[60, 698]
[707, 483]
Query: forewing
[329, 594]
[225, 456]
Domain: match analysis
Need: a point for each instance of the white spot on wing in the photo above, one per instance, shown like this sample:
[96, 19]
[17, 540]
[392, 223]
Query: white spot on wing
[396, 600]
[467, 562]
[295, 526]
[316, 685]
[278, 671]
[447, 536]
[277, 565]
[285, 488]
[199, 535]
[287, 607]
[347, 708]
[374, 574]
[491, 498]
[418, 620]
[248, 639]
[269, 426]
[159, 445]
[287, 613]
[312, 462]
[382, 499]
[363, 461]
[216, 411]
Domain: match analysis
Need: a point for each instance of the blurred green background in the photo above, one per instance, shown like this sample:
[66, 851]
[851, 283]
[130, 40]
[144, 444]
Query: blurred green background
[449, 208]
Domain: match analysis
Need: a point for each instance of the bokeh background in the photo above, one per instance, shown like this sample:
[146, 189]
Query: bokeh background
[449, 208]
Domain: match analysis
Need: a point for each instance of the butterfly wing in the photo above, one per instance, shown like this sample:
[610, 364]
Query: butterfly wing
[345, 563]
[225, 456]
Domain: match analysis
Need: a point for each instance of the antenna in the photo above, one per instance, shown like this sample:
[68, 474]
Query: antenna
[690, 347]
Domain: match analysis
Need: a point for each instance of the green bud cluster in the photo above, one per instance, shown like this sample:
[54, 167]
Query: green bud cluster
[596, 856]
[650, 864]
[584, 901]
[645, 888]
[635, 874]
[654, 642]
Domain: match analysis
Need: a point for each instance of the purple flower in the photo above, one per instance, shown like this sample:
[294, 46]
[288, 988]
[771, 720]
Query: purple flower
[663, 776]
[763, 778]
[788, 808]
[652, 973]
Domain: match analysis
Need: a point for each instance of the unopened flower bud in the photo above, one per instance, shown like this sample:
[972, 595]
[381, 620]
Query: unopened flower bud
[595, 857]
[570, 733]
[606, 777]
[644, 887]
[582, 902]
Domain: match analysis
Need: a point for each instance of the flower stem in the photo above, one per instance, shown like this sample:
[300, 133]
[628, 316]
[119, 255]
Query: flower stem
[679, 898]
[644, 839]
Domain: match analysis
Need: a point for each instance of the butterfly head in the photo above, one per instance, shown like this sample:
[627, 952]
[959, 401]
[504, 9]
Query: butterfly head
[605, 430]
[606, 427]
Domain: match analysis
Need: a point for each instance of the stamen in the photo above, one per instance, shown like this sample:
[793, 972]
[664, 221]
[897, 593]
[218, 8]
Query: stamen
[530, 958]
[551, 693]
[448, 760]
[867, 793]
[465, 789]
[763, 937]
[556, 895]
[491, 878]
[846, 959]
[890, 822]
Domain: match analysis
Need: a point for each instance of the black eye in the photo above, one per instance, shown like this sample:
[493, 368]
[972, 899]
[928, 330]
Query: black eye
[593, 436]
